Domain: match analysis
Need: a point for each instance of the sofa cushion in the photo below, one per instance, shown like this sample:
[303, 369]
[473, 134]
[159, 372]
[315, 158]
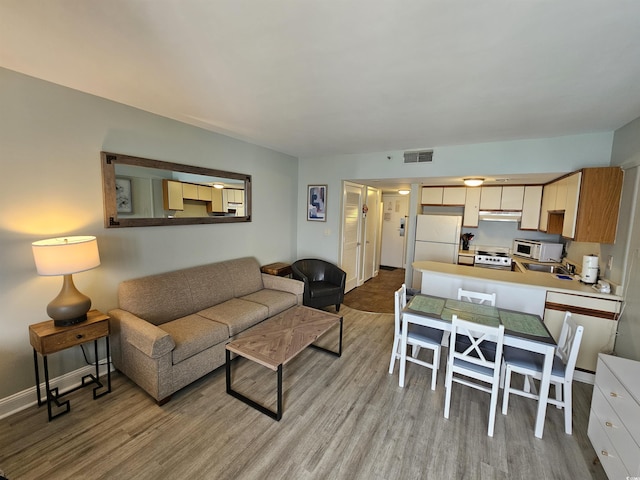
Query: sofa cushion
[193, 334]
[209, 285]
[244, 275]
[237, 314]
[276, 301]
[157, 298]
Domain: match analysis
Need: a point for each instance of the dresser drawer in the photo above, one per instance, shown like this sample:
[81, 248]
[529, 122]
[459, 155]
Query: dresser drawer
[621, 401]
[628, 450]
[607, 454]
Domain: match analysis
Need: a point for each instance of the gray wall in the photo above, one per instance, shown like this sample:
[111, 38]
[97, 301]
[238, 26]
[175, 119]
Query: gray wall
[626, 153]
[50, 141]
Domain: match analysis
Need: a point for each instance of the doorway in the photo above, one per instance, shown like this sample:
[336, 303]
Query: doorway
[395, 213]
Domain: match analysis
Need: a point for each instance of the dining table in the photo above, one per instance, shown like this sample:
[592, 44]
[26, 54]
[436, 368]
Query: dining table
[521, 330]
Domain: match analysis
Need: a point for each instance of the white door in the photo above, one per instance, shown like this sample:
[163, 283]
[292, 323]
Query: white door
[395, 211]
[351, 228]
[372, 227]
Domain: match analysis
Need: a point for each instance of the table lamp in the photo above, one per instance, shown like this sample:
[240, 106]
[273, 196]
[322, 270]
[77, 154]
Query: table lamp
[65, 256]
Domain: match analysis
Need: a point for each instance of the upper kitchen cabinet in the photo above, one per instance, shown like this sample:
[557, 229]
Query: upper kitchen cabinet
[531, 207]
[512, 198]
[490, 198]
[471, 207]
[454, 196]
[501, 198]
[584, 205]
[448, 196]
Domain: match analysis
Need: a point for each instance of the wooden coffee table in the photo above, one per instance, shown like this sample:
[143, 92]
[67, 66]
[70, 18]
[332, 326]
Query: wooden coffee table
[276, 341]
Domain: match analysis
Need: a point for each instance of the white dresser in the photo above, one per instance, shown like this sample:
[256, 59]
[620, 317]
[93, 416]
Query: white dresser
[614, 422]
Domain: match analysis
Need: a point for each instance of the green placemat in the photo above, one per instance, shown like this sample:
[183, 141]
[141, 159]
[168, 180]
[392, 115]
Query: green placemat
[471, 317]
[473, 308]
[523, 323]
[428, 305]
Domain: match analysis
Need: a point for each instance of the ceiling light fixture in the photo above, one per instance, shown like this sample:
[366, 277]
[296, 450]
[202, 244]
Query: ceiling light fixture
[473, 182]
[404, 192]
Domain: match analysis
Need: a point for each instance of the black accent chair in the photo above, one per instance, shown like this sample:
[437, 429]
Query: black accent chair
[323, 282]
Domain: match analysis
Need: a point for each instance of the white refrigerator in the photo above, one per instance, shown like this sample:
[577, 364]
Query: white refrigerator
[437, 239]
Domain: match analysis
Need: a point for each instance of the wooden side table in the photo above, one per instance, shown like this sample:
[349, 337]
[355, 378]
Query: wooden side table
[279, 269]
[46, 338]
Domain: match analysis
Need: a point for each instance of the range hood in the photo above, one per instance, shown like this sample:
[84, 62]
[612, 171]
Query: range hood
[499, 216]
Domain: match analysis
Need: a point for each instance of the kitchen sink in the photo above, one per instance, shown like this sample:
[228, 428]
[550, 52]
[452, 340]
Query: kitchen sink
[537, 267]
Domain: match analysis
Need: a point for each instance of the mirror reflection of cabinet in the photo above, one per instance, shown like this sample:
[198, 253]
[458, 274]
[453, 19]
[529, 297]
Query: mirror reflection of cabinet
[165, 193]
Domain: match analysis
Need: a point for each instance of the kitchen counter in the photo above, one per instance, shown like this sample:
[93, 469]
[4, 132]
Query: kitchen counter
[538, 280]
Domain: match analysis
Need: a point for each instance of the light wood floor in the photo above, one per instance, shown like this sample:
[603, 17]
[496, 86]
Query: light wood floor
[344, 418]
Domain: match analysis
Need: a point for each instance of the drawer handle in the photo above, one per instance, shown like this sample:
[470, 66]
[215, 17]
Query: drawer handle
[604, 453]
[79, 336]
[613, 394]
[608, 424]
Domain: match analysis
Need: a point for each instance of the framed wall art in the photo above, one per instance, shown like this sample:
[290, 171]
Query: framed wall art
[124, 202]
[317, 203]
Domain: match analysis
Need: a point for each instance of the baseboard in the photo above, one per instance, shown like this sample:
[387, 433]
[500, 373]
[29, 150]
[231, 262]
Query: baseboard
[27, 398]
[584, 377]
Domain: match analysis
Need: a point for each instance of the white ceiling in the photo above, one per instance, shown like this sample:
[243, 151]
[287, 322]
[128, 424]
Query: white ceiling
[322, 77]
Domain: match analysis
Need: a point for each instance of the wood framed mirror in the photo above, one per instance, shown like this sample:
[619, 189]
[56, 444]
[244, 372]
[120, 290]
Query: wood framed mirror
[140, 192]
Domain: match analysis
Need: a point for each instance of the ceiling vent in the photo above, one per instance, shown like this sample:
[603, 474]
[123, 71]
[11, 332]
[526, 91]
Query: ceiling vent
[423, 156]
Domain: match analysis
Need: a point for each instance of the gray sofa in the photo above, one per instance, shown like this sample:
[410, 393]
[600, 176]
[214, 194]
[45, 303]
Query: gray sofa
[171, 329]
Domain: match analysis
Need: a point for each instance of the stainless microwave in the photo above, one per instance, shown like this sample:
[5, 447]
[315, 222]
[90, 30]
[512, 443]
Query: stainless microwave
[537, 250]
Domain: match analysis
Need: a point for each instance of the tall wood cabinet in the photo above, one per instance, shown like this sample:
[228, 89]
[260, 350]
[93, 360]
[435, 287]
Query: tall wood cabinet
[583, 206]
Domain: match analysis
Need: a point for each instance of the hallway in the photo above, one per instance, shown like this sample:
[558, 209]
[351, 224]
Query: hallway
[376, 294]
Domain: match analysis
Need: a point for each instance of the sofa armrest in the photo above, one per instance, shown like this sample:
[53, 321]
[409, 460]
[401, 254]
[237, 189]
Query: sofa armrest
[284, 284]
[146, 337]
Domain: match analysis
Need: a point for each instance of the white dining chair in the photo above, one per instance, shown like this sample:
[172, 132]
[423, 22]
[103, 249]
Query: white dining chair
[477, 297]
[475, 362]
[417, 336]
[530, 364]
[473, 297]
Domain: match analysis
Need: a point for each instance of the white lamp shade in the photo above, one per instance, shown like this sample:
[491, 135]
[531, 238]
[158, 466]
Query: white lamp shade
[66, 255]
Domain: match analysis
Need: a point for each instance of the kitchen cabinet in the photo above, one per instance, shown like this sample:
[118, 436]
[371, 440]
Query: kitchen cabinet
[501, 198]
[512, 198]
[449, 196]
[471, 207]
[454, 195]
[172, 195]
[216, 201]
[490, 198]
[189, 191]
[560, 202]
[204, 193]
[466, 258]
[548, 203]
[598, 205]
[583, 206]
[431, 195]
[531, 205]
[614, 429]
[598, 316]
[571, 197]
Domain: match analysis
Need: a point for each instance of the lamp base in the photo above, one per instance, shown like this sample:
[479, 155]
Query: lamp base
[69, 322]
[70, 306]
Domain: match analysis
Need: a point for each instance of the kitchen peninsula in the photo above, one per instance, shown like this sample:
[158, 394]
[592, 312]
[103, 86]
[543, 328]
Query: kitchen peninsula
[534, 292]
